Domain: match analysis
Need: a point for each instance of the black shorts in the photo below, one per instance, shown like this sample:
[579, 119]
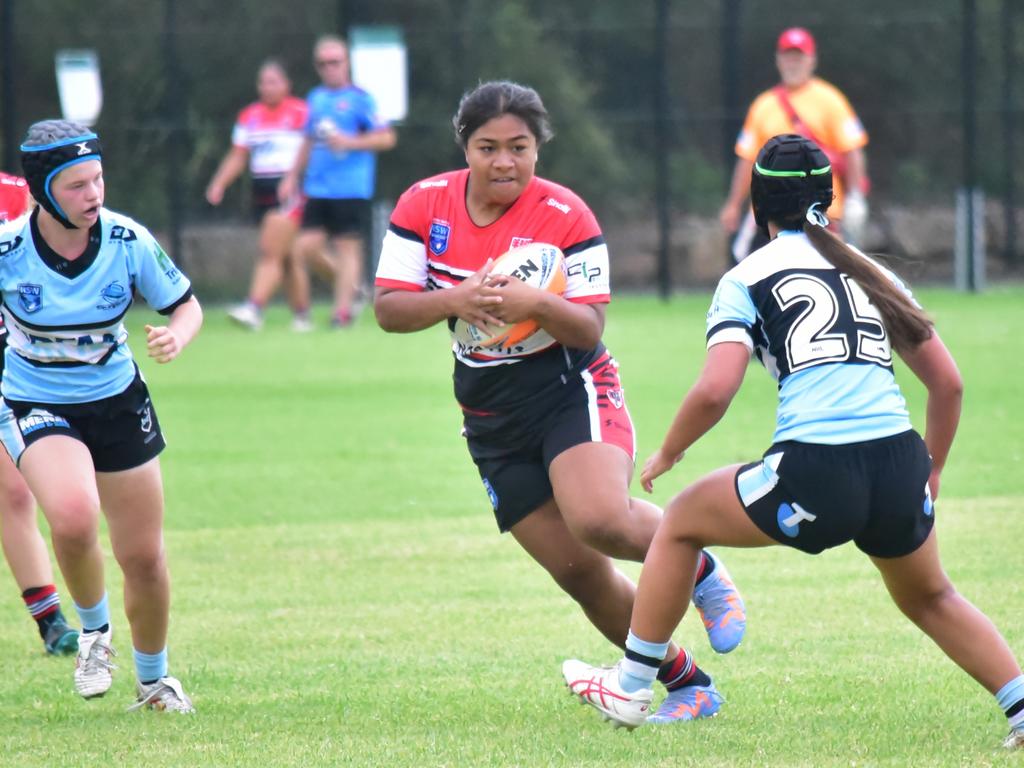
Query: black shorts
[121, 431]
[593, 410]
[813, 497]
[349, 216]
[264, 196]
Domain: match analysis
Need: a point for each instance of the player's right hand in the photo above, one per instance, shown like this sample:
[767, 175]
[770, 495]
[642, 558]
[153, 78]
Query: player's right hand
[214, 194]
[658, 464]
[472, 302]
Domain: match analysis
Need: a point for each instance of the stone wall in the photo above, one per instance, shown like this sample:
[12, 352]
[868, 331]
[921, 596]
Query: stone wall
[920, 240]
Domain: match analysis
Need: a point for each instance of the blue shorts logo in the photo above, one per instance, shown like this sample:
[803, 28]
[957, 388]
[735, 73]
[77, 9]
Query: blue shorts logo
[929, 509]
[440, 231]
[790, 517]
[30, 296]
[491, 494]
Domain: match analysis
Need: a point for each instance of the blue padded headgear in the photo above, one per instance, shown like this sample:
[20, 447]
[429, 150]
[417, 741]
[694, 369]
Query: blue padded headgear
[49, 147]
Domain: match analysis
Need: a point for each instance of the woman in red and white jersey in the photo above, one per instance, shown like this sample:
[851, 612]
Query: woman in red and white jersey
[23, 545]
[266, 138]
[546, 423]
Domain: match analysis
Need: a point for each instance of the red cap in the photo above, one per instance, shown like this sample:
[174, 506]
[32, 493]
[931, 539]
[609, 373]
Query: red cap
[796, 38]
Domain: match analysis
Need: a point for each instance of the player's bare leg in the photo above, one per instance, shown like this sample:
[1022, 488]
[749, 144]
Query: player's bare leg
[349, 273]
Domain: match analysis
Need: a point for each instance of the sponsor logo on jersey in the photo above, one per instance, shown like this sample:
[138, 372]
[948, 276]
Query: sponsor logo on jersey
[37, 419]
[113, 295]
[117, 232]
[590, 274]
[440, 233]
[433, 184]
[171, 271]
[30, 296]
[519, 242]
[563, 207]
[10, 245]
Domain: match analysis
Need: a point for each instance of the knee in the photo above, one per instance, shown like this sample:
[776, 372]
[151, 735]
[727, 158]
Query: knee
[606, 528]
[74, 524]
[146, 564]
[17, 502]
[928, 601]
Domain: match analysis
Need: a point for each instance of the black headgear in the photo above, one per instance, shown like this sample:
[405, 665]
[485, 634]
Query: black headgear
[40, 163]
[790, 175]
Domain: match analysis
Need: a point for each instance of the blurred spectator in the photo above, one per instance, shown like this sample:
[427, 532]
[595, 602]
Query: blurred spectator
[267, 137]
[806, 105]
[337, 166]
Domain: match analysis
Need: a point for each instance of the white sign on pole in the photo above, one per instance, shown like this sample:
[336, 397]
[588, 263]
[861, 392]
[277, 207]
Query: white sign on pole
[78, 84]
[379, 66]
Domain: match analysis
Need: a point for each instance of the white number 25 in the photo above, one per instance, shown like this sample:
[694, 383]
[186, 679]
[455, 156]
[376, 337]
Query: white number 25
[813, 339]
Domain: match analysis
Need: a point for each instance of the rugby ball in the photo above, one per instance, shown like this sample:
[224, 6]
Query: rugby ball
[540, 265]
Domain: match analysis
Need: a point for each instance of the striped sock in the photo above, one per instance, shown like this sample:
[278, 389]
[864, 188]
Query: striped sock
[150, 667]
[1011, 700]
[681, 672]
[96, 618]
[44, 605]
[640, 666]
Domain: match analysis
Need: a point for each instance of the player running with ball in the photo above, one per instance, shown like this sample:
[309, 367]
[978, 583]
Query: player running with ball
[546, 423]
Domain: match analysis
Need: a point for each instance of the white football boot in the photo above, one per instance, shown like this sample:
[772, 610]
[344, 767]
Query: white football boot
[165, 695]
[93, 666]
[247, 315]
[599, 687]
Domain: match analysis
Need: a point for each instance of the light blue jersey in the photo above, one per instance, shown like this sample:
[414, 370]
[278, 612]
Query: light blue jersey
[344, 174]
[66, 339]
[817, 333]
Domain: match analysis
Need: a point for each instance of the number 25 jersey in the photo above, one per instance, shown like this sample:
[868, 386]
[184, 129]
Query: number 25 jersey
[818, 334]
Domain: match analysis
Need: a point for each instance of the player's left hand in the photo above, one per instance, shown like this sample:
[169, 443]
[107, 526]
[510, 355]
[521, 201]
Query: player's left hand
[933, 484]
[162, 343]
[519, 301]
[658, 464]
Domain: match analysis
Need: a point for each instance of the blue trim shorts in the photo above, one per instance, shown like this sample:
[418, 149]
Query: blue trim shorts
[121, 431]
[813, 497]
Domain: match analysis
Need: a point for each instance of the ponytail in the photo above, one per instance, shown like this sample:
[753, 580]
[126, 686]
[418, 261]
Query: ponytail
[907, 324]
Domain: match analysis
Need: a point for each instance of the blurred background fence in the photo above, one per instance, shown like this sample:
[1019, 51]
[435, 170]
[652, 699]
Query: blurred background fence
[646, 99]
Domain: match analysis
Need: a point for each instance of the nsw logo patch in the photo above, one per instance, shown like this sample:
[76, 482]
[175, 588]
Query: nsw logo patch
[440, 232]
[30, 296]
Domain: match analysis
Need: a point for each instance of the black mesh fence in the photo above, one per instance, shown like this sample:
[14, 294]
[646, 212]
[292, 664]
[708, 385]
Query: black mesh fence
[176, 72]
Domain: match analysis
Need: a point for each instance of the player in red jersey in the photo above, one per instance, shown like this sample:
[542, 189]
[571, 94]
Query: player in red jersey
[546, 423]
[23, 545]
[14, 197]
[267, 137]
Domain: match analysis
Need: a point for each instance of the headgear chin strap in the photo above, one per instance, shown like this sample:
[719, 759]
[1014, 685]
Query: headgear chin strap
[42, 163]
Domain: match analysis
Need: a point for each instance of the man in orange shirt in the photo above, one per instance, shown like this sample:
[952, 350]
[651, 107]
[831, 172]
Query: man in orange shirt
[809, 106]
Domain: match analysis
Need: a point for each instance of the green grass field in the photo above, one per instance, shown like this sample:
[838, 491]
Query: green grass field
[342, 596]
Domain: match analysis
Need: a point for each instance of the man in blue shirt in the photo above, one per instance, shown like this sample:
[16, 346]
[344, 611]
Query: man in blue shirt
[336, 165]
